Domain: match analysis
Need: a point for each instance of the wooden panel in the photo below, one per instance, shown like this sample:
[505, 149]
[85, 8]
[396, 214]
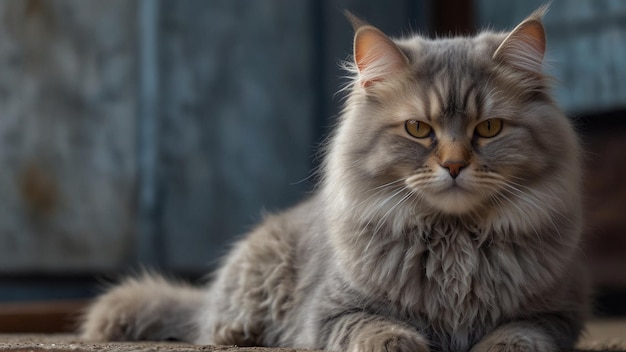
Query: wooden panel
[67, 134]
[41, 317]
[605, 190]
[453, 17]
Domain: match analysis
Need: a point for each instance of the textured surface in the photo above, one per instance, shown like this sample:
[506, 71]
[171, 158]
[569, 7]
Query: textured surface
[605, 334]
[71, 343]
[602, 336]
[66, 134]
[235, 121]
[224, 90]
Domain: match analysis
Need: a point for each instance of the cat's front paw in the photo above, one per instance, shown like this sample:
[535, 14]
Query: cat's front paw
[515, 340]
[391, 340]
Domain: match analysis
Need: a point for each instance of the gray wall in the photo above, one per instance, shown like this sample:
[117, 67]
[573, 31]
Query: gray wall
[67, 134]
[235, 120]
[147, 131]
[155, 132]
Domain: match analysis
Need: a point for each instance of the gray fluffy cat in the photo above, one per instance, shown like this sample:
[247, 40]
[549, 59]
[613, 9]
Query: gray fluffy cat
[448, 218]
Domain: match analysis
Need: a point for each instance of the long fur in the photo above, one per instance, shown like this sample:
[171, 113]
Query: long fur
[391, 253]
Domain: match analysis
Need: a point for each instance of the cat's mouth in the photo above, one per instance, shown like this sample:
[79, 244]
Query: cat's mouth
[454, 198]
[458, 195]
[454, 185]
[455, 188]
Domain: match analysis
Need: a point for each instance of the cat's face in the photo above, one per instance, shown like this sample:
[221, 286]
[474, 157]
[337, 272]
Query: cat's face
[460, 124]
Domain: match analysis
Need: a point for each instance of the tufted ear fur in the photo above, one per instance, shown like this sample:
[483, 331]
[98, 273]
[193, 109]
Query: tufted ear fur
[525, 46]
[375, 55]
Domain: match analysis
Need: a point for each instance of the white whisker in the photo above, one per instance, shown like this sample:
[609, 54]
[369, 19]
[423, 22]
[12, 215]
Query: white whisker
[384, 218]
[370, 215]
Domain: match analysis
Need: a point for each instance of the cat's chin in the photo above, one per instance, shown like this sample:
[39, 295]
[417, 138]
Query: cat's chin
[454, 200]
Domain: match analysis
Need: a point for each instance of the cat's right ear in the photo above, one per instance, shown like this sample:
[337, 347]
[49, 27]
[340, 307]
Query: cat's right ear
[375, 55]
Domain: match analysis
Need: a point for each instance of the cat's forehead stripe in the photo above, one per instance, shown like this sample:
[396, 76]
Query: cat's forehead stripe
[422, 108]
[450, 98]
[470, 102]
[435, 101]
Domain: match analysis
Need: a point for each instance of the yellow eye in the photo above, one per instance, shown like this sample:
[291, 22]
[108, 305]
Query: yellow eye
[489, 128]
[417, 129]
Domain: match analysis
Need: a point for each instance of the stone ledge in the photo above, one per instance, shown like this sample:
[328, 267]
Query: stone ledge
[71, 343]
[611, 336]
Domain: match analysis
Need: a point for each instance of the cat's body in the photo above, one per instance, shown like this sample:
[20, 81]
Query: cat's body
[448, 219]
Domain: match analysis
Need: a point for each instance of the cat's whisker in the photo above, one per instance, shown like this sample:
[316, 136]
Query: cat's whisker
[420, 177]
[528, 215]
[497, 201]
[544, 204]
[501, 183]
[389, 184]
[538, 205]
[382, 220]
[549, 194]
[529, 198]
[376, 191]
[372, 212]
[421, 185]
[534, 201]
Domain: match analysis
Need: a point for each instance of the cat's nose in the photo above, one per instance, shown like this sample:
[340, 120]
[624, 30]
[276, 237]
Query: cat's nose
[454, 167]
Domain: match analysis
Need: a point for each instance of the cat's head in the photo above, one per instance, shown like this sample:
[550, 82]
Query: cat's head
[455, 124]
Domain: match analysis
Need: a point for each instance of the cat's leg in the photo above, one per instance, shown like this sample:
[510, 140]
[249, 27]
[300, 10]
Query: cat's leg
[146, 308]
[545, 333]
[362, 332]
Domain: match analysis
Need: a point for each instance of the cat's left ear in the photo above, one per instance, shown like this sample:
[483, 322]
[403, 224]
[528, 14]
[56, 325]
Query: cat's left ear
[525, 47]
[375, 55]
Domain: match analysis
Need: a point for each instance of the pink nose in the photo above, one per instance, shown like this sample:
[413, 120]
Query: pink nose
[454, 167]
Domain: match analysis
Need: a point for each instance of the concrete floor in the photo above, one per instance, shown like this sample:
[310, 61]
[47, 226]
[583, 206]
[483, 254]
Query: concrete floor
[602, 335]
[609, 333]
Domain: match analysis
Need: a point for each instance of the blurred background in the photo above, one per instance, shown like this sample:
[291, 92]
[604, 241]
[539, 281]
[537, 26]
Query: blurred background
[154, 132]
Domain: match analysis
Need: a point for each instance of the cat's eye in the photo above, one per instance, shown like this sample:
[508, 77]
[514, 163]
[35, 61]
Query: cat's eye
[417, 129]
[489, 128]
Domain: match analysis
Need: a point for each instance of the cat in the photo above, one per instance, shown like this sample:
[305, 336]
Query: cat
[447, 218]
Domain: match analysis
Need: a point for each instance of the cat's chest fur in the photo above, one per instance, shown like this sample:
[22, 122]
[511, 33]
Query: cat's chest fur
[450, 268]
[445, 277]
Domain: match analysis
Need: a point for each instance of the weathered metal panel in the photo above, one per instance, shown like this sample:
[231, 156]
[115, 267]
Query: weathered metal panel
[235, 127]
[67, 134]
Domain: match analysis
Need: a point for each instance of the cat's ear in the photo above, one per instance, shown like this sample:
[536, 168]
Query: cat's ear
[375, 55]
[525, 47]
